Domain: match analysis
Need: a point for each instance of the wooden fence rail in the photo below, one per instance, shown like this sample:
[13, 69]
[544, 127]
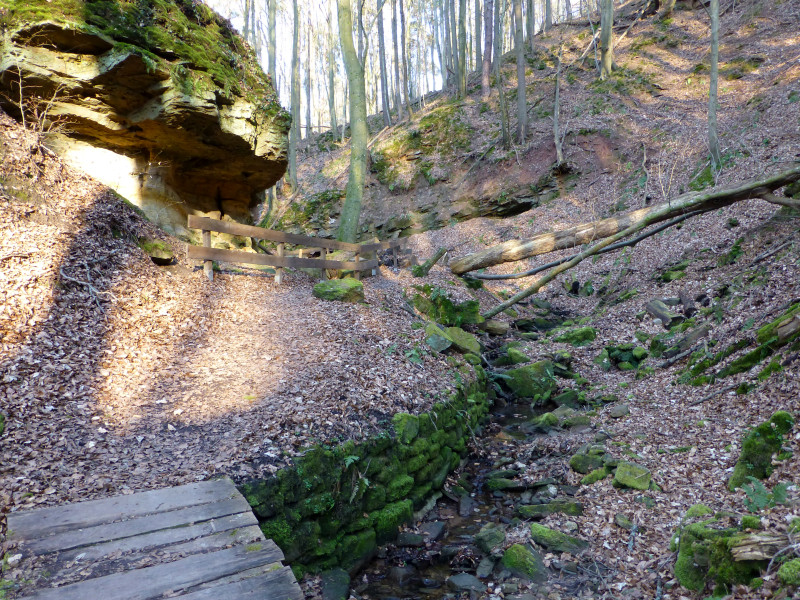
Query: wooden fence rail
[208, 254]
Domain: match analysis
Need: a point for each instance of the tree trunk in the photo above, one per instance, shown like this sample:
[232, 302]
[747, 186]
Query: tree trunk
[454, 42]
[606, 38]
[478, 49]
[294, 132]
[488, 28]
[498, 41]
[272, 42]
[387, 117]
[404, 43]
[331, 72]
[438, 44]
[351, 210]
[397, 104]
[585, 233]
[522, 105]
[713, 140]
[425, 268]
[548, 15]
[530, 22]
[557, 138]
[666, 8]
[309, 85]
[462, 49]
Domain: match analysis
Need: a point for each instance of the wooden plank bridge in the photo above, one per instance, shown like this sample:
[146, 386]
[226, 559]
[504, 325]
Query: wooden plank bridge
[198, 541]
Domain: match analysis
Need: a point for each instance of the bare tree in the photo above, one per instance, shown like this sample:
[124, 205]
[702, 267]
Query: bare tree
[478, 50]
[462, 48]
[519, 43]
[397, 103]
[351, 210]
[294, 132]
[331, 70]
[488, 28]
[387, 118]
[713, 140]
[405, 58]
[606, 38]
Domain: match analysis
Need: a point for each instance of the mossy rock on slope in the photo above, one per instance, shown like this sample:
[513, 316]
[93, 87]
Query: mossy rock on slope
[525, 563]
[758, 448]
[704, 552]
[556, 541]
[490, 537]
[342, 290]
[631, 475]
[578, 337]
[539, 511]
[159, 252]
[587, 459]
[789, 573]
[531, 380]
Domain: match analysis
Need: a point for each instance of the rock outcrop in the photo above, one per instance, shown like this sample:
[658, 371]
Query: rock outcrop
[161, 101]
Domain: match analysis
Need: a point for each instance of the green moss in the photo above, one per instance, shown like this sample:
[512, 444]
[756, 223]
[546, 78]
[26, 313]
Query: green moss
[631, 475]
[188, 30]
[522, 562]
[556, 541]
[399, 488]
[758, 448]
[578, 337]
[768, 332]
[436, 303]
[537, 511]
[387, 520]
[546, 420]
[751, 522]
[698, 510]
[772, 367]
[587, 460]
[536, 379]
[354, 548]
[406, 427]
[789, 573]
[596, 475]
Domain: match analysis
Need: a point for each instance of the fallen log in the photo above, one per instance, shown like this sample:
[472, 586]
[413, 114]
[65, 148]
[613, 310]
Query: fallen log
[689, 309]
[758, 546]
[585, 233]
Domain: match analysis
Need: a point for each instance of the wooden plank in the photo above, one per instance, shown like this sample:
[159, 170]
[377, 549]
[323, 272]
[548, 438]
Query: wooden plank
[278, 584]
[387, 245]
[196, 222]
[235, 256]
[85, 568]
[208, 266]
[154, 582]
[137, 526]
[45, 521]
[246, 523]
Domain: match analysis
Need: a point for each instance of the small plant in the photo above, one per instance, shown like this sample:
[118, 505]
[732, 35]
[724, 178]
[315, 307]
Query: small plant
[759, 497]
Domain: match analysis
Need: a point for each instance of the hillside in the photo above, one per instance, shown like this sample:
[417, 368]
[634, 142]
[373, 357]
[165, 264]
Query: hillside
[117, 375]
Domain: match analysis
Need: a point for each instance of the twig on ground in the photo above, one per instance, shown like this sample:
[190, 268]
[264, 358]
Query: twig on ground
[15, 255]
[727, 388]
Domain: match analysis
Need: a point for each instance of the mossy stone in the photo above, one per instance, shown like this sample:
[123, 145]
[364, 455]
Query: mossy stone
[539, 511]
[356, 548]
[341, 290]
[576, 421]
[472, 359]
[490, 537]
[556, 541]
[524, 563]
[399, 488]
[406, 427]
[436, 338]
[517, 357]
[387, 520]
[583, 462]
[435, 303]
[567, 398]
[158, 251]
[463, 341]
[751, 522]
[789, 573]
[758, 448]
[578, 337]
[631, 475]
[596, 476]
[531, 380]
[546, 420]
[507, 485]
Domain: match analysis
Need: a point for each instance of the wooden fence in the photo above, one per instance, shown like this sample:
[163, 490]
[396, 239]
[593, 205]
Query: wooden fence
[282, 259]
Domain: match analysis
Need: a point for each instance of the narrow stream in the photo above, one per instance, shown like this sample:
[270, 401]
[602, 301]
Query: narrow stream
[419, 565]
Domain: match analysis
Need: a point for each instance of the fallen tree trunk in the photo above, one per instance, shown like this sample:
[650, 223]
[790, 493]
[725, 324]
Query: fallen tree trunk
[423, 269]
[584, 233]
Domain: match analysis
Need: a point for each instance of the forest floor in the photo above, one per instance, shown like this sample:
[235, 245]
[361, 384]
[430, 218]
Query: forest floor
[137, 377]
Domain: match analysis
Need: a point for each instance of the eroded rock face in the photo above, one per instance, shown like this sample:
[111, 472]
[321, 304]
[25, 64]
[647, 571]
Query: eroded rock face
[175, 128]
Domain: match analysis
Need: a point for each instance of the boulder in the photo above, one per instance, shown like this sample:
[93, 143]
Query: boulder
[463, 341]
[343, 290]
[555, 541]
[631, 475]
[335, 584]
[525, 563]
[464, 582]
[619, 411]
[159, 252]
[531, 380]
[177, 124]
[490, 537]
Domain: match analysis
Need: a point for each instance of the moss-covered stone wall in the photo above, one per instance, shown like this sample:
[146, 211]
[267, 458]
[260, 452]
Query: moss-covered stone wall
[335, 505]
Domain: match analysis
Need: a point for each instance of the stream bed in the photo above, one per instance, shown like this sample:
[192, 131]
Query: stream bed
[456, 550]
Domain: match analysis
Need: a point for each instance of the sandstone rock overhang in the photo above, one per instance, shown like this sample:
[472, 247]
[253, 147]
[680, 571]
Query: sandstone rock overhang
[160, 100]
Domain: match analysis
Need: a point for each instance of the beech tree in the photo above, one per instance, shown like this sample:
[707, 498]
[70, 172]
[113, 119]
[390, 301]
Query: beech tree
[488, 28]
[522, 107]
[713, 140]
[294, 132]
[606, 38]
[351, 210]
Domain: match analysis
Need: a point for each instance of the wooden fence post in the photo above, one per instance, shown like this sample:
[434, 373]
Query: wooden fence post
[279, 270]
[394, 256]
[324, 255]
[208, 266]
[357, 270]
